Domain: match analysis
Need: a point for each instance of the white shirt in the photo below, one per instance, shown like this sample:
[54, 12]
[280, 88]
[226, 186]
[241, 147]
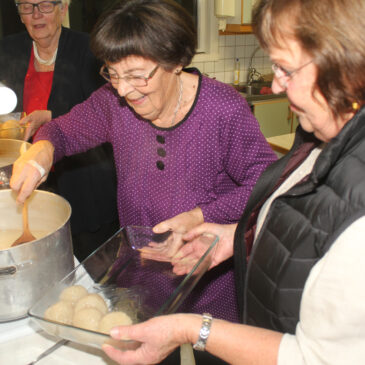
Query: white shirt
[331, 329]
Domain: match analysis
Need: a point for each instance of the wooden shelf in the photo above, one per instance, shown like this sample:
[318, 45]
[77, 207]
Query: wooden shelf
[237, 29]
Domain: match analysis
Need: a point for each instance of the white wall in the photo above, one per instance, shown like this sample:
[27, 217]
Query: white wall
[231, 47]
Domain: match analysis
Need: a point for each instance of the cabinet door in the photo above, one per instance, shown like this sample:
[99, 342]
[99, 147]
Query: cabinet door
[241, 22]
[243, 10]
[273, 116]
[246, 11]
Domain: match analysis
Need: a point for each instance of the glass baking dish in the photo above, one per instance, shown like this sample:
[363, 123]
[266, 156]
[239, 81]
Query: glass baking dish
[133, 273]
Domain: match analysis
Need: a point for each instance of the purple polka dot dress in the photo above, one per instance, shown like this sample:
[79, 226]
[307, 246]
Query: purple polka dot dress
[211, 159]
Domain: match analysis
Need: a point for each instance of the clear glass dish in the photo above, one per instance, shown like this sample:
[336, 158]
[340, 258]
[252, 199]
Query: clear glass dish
[132, 271]
[10, 127]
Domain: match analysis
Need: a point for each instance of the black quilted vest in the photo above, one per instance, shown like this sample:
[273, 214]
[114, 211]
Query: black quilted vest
[300, 227]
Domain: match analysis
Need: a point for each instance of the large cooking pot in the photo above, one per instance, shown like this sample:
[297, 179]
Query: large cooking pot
[27, 270]
[9, 152]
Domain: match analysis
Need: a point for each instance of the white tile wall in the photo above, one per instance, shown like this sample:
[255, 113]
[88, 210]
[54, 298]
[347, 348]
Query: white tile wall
[231, 47]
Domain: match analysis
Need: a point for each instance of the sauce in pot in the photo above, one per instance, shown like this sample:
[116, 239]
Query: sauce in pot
[7, 237]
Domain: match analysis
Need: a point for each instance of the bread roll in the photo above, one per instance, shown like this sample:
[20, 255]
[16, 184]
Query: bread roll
[87, 318]
[62, 311]
[92, 301]
[113, 319]
[73, 293]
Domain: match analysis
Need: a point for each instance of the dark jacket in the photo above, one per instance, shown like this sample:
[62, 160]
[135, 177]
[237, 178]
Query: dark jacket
[76, 69]
[300, 227]
[86, 180]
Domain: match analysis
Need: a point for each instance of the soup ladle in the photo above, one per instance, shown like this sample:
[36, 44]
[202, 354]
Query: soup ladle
[26, 235]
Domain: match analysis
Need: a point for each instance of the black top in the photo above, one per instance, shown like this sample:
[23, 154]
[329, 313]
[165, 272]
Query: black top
[300, 226]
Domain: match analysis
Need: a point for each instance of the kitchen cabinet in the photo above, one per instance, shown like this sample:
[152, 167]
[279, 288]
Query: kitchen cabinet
[241, 22]
[274, 116]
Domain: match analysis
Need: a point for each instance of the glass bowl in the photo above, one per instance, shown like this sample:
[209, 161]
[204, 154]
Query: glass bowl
[10, 127]
[133, 273]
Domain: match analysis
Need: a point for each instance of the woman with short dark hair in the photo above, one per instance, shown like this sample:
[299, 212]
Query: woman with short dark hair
[187, 148]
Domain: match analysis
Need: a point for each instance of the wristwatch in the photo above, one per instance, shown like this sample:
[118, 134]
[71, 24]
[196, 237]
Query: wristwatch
[204, 332]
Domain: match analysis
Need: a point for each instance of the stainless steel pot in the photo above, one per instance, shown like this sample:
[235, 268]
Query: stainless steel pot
[9, 152]
[27, 270]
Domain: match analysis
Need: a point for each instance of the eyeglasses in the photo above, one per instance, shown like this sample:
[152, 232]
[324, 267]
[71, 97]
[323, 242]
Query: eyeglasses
[283, 75]
[43, 7]
[136, 81]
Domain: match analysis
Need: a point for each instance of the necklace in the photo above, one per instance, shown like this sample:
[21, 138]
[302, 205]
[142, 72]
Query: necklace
[40, 60]
[178, 102]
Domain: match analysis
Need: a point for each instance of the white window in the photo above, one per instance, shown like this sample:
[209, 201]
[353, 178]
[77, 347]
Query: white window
[207, 29]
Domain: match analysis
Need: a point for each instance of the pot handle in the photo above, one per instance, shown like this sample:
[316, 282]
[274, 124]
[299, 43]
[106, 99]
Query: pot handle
[10, 270]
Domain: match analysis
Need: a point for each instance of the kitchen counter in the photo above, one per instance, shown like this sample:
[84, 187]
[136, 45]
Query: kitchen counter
[253, 98]
[22, 341]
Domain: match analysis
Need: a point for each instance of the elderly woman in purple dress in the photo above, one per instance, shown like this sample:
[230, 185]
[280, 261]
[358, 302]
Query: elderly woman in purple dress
[187, 148]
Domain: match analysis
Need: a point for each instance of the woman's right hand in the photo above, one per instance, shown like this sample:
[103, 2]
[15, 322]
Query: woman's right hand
[26, 176]
[194, 248]
[158, 336]
[34, 120]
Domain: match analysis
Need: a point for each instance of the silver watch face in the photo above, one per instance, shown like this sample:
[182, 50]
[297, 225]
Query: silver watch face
[204, 332]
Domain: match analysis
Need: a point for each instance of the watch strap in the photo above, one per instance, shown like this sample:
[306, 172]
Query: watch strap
[204, 332]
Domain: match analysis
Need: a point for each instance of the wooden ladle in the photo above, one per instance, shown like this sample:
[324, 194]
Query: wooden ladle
[26, 235]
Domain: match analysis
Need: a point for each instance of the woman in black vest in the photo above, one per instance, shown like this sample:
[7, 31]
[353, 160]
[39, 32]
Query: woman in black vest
[302, 295]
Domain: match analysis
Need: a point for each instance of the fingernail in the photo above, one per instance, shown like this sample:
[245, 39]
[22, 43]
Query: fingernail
[114, 332]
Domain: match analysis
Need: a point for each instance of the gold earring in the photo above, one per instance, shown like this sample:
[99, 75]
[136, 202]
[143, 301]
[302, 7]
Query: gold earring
[178, 71]
[355, 106]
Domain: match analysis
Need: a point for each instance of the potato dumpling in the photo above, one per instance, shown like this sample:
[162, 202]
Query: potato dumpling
[10, 129]
[113, 319]
[73, 293]
[87, 318]
[62, 311]
[92, 301]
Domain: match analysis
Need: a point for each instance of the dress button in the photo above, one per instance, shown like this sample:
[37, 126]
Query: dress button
[161, 152]
[160, 165]
[160, 139]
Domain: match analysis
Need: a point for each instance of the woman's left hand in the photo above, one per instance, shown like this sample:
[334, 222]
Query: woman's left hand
[34, 120]
[179, 225]
[159, 336]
